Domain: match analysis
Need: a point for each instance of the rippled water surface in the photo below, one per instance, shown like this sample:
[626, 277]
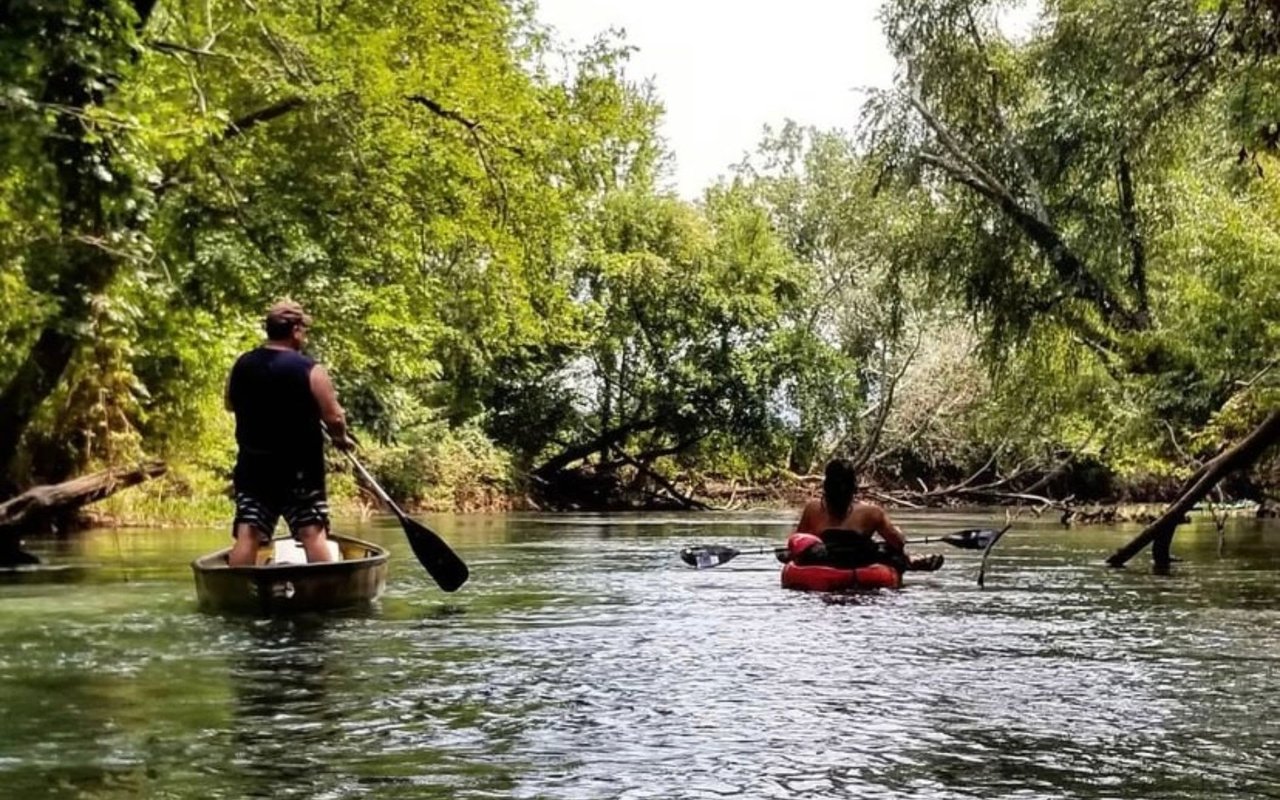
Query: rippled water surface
[583, 660]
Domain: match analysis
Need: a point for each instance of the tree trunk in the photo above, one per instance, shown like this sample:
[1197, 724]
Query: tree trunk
[45, 503]
[599, 444]
[684, 500]
[1161, 531]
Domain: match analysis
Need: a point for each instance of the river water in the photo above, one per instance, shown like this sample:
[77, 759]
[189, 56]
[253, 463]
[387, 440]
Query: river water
[583, 660]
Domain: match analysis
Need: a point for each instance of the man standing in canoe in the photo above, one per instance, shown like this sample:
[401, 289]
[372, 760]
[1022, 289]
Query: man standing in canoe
[279, 398]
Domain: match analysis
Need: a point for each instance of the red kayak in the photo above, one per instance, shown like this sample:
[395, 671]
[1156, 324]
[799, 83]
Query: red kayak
[804, 569]
[818, 578]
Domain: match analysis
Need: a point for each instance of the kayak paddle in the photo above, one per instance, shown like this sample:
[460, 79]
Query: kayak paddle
[707, 556]
[986, 552]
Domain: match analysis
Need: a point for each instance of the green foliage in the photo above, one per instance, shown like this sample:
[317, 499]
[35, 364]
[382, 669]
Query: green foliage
[432, 465]
[1086, 210]
[679, 311]
[413, 173]
[1059, 249]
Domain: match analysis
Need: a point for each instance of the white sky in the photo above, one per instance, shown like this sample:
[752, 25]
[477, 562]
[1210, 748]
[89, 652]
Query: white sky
[726, 68]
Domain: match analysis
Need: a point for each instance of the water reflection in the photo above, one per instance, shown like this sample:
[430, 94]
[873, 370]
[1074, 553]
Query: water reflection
[283, 718]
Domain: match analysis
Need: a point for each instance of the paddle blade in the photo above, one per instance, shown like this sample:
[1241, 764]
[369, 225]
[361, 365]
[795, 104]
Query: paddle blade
[707, 556]
[972, 539]
[436, 557]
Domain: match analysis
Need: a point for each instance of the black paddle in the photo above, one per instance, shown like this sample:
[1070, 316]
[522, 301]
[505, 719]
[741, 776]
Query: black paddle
[433, 553]
[707, 556]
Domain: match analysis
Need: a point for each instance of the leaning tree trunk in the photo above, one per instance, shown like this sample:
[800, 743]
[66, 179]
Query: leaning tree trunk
[598, 444]
[1240, 456]
[42, 504]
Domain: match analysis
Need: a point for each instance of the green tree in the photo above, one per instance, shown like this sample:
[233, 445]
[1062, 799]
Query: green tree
[415, 173]
[1059, 169]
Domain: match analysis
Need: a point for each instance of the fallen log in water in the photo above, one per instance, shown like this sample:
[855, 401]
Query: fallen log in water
[1159, 534]
[45, 505]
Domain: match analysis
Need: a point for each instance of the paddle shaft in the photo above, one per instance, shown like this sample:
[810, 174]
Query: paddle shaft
[367, 476]
[782, 548]
[707, 556]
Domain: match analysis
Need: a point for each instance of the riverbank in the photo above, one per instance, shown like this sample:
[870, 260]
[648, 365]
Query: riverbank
[189, 498]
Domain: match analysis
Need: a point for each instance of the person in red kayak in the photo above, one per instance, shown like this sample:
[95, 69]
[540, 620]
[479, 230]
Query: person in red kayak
[846, 527]
[279, 398]
[838, 511]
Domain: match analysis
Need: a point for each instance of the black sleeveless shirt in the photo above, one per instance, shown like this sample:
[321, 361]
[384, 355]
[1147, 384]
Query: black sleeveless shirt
[281, 448]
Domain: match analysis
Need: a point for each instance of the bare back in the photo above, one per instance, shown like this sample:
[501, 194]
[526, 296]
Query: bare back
[862, 517]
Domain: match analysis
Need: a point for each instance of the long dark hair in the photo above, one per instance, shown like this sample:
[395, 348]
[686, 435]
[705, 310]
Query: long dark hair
[838, 486]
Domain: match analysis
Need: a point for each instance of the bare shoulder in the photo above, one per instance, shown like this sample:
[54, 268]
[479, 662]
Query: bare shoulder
[810, 517]
[319, 376]
[867, 516]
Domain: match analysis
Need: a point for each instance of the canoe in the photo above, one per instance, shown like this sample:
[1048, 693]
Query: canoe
[285, 584]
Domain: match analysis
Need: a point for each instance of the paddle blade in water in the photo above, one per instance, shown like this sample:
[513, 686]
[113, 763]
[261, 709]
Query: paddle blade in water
[436, 557]
[707, 556]
[973, 539]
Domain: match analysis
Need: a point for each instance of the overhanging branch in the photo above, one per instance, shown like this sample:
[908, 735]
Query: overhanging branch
[1137, 246]
[1070, 269]
[176, 173]
[239, 127]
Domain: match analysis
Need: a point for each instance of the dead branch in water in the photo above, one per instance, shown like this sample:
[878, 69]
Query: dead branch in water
[42, 504]
[1160, 532]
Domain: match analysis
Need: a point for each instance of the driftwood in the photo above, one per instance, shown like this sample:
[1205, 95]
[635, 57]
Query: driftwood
[1160, 533]
[43, 504]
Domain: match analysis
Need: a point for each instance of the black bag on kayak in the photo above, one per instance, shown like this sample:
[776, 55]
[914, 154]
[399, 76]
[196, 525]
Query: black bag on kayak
[851, 549]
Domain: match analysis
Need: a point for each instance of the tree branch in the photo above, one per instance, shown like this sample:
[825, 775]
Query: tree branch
[172, 48]
[474, 128]
[957, 149]
[680, 497]
[597, 444]
[1068, 267]
[1035, 192]
[441, 111]
[1243, 454]
[1184, 87]
[886, 404]
[176, 173]
[251, 120]
[21, 512]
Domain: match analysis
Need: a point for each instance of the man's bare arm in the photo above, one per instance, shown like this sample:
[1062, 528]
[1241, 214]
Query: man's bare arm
[890, 533]
[331, 412]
